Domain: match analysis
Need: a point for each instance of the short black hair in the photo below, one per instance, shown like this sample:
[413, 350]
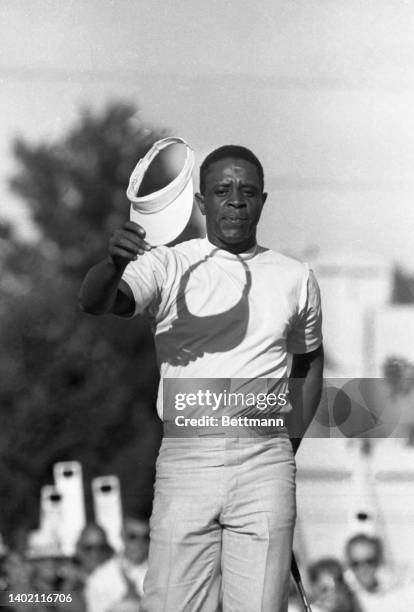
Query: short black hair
[234, 151]
[364, 538]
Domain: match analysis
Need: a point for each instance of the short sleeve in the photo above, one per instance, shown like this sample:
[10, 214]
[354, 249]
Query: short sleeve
[305, 334]
[145, 277]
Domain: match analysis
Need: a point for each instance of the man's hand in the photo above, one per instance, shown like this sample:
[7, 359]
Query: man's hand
[126, 244]
[101, 291]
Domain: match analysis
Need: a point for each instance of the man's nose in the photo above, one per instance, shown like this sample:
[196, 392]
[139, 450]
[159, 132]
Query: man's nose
[236, 199]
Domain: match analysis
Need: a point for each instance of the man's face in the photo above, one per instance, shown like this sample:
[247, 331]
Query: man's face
[232, 204]
[364, 562]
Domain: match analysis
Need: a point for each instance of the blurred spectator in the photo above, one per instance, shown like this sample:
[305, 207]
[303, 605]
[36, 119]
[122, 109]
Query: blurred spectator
[16, 572]
[44, 559]
[330, 592]
[375, 584]
[364, 557]
[8, 562]
[42, 573]
[117, 585]
[44, 556]
[3, 558]
[92, 548]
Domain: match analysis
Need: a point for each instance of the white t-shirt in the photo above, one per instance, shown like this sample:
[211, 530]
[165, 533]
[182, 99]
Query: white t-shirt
[216, 314]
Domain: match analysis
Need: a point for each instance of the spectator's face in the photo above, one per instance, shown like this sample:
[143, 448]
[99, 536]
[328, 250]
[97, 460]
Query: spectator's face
[92, 549]
[331, 594]
[364, 562]
[136, 541]
[232, 203]
[324, 587]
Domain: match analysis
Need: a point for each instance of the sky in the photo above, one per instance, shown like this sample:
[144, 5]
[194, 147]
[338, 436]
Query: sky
[322, 91]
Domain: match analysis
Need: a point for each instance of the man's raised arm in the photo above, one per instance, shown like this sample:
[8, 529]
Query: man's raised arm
[102, 290]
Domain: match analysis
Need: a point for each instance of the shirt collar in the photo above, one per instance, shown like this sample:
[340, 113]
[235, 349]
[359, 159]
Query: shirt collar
[223, 254]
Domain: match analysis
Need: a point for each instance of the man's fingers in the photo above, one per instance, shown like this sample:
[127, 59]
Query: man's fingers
[127, 244]
[129, 240]
[124, 254]
[136, 236]
[134, 227]
[130, 244]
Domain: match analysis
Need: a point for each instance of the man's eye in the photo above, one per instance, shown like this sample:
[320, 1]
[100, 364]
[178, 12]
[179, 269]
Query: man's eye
[249, 193]
[221, 191]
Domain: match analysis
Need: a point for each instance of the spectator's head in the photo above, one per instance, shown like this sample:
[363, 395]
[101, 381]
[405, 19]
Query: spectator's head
[364, 555]
[325, 574]
[45, 558]
[135, 536]
[92, 547]
[329, 589]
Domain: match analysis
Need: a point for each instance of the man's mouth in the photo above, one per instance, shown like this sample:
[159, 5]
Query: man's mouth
[234, 219]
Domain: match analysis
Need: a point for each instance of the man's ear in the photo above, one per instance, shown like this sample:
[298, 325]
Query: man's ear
[200, 201]
[259, 212]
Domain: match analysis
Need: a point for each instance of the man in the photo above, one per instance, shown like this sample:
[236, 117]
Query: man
[117, 584]
[223, 308]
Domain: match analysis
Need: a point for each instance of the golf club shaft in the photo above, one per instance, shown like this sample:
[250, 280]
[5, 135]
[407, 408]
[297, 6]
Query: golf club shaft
[298, 580]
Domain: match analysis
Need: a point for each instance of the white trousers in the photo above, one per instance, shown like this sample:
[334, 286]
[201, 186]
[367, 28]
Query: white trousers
[222, 526]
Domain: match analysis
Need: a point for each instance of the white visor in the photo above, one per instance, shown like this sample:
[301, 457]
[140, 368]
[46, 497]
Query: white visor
[164, 213]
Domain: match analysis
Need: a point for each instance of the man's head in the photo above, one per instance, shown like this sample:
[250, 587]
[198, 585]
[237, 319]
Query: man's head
[231, 197]
[135, 536]
[364, 556]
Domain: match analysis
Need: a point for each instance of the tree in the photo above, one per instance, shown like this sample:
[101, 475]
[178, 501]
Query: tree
[76, 387]
[76, 188]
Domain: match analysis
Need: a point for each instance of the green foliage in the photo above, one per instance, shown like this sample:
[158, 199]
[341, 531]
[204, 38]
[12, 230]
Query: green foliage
[75, 387]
